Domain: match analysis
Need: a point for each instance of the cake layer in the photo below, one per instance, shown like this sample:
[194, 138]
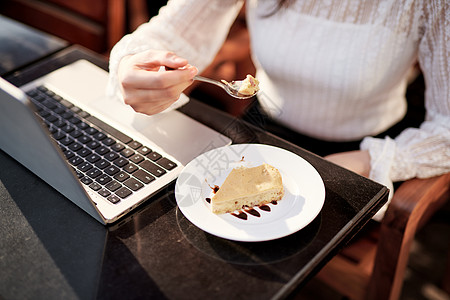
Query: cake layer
[250, 85]
[248, 187]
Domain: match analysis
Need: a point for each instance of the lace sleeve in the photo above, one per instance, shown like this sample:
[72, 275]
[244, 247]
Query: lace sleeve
[193, 29]
[425, 151]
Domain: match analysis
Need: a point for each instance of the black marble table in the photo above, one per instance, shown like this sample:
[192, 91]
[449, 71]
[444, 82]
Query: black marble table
[51, 249]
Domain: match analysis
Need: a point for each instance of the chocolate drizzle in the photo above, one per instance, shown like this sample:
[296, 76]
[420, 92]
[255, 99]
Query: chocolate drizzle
[265, 207]
[245, 211]
[215, 189]
[253, 212]
[240, 214]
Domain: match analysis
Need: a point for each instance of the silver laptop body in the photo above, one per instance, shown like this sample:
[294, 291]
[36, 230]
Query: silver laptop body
[27, 139]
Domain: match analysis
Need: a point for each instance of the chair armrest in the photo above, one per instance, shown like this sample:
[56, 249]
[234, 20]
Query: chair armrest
[415, 200]
[412, 205]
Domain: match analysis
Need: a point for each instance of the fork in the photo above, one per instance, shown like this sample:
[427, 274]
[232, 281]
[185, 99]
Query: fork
[232, 88]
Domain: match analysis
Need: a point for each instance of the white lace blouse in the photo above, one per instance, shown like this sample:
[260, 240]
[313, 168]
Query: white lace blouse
[334, 70]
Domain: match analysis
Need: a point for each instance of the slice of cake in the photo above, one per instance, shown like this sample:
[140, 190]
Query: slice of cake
[248, 187]
[249, 86]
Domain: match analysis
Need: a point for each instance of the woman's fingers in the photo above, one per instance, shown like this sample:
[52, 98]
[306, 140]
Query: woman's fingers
[146, 84]
[153, 59]
[151, 100]
[144, 79]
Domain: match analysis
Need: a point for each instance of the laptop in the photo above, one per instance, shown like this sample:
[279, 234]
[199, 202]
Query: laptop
[95, 150]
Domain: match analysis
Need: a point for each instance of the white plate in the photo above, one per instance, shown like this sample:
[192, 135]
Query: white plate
[302, 202]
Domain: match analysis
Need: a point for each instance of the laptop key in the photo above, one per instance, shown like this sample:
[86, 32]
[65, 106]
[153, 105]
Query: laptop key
[120, 162]
[113, 199]
[66, 103]
[104, 192]
[84, 166]
[137, 158]
[59, 123]
[82, 125]
[75, 109]
[86, 180]
[91, 130]
[67, 115]
[95, 186]
[166, 163]
[118, 147]
[154, 156]
[83, 114]
[112, 170]
[51, 118]
[42, 88]
[134, 145]
[51, 128]
[92, 158]
[68, 128]
[93, 173]
[93, 144]
[79, 174]
[84, 139]
[103, 179]
[108, 141]
[59, 111]
[111, 156]
[123, 192]
[74, 161]
[74, 120]
[76, 133]
[121, 176]
[68, 154]
[75, 146]
[130, 168]
[144, 150]
[133, 184]
[58, 135]
[152, 168]
[99, 136]
[44, 114]
[66, 141]
[127, 152]
[143, 176]
[49, 104]
[113, 185]
[49, 93]
[102, 150]
[84, 152]
[102, 163]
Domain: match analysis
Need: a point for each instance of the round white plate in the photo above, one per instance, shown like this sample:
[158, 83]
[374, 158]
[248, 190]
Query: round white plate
[302, 202]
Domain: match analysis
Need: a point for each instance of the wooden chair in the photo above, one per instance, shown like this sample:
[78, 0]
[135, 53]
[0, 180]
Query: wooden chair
[373, 267]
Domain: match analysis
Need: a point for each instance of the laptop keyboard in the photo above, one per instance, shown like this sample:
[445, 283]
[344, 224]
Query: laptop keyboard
[105, 159]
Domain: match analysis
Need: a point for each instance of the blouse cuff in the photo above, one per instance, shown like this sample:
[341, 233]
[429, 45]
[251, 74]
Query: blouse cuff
[382, 153]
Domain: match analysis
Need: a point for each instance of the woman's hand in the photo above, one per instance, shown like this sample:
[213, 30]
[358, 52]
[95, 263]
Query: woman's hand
[357, 161]
[145, 88]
